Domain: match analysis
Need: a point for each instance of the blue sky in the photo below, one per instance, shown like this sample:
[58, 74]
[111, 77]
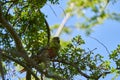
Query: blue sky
[107, 33]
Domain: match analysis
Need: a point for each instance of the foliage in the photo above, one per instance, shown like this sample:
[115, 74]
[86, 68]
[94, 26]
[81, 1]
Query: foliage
[91, 13]
[24, 31]
[115, 56]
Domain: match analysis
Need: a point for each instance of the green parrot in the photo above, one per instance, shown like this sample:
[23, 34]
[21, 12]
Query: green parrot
[54, 47]
[47, 53]
[50, 51]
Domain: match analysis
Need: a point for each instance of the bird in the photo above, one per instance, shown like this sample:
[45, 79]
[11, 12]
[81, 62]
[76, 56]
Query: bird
[47, 53]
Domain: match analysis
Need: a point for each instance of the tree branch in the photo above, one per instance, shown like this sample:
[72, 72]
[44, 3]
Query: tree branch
[104, 73]
[73, 65]
[101, 44]
[107, 72]
[14, 35]
[10, 29]
[57, 34]
[9, 9]
[28, 75]
[20, 63]
[56, 77]
[48, 30]
[1, 67]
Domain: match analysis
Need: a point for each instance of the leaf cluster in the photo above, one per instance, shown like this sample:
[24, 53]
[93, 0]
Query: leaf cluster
[73, 60]
[91, 13]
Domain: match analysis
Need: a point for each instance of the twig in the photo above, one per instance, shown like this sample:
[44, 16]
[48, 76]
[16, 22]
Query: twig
[52, 10]
[57, 34]
[62, 10]
[104, 73]
[101, 44]
[9, 9]
[3, 3]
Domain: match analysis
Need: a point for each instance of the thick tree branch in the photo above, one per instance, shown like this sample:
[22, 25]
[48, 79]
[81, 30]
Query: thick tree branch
[28, 75]
[20, 63]
[10, 29]
[1, 67]
[57, 34]
[14, 35]
[56, 77]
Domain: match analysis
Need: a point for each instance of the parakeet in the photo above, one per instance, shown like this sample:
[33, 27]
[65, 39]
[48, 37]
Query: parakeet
[47, 53]
[54, 47]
